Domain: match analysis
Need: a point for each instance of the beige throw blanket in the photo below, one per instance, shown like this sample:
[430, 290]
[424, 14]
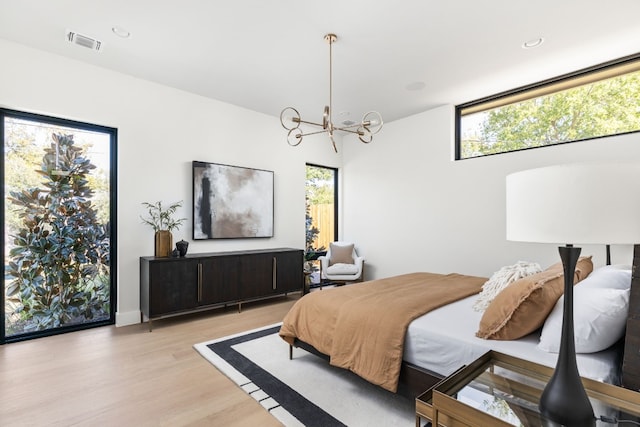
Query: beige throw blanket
[362, 326]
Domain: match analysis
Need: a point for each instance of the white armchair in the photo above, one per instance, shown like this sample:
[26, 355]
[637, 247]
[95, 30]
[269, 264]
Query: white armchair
[341, 264]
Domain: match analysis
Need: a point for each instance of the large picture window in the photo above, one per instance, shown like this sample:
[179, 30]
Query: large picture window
[592, 103]
[59, 229]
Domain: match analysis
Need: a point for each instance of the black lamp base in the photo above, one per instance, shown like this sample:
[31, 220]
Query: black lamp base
[564, 400]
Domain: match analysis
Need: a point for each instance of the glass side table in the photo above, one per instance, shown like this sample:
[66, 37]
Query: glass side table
[501, 390]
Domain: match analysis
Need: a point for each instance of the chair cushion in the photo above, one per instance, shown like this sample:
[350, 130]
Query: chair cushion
[341, 268]
[341, 254]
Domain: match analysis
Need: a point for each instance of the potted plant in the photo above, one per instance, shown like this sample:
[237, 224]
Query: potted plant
[162, 221]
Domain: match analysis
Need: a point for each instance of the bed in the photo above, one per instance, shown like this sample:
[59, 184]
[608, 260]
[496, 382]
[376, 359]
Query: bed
[435, 343]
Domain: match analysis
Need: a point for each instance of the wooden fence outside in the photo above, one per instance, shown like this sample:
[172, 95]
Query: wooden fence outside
[323, 219]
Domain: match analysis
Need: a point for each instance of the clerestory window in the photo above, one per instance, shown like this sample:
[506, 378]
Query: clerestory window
[600, 101]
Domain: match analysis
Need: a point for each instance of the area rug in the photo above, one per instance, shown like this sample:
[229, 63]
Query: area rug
[305, 391]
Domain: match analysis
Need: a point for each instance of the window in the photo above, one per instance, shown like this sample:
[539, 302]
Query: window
[59, 230]
[592, 103]
[321, 225]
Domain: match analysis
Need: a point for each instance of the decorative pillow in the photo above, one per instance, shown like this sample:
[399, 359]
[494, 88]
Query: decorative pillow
[599, 319]
[503, 278]
[609, 276]
[341, 254]
[523, 306]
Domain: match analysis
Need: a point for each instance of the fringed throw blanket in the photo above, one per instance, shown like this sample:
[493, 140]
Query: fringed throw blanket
[362, 326]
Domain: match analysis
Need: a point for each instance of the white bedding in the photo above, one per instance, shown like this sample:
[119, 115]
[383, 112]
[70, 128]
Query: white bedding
[444, 340]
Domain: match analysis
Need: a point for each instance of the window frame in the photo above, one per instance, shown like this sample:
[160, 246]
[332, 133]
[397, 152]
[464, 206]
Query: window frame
[113, 224]
[596, 73]
[335, 195]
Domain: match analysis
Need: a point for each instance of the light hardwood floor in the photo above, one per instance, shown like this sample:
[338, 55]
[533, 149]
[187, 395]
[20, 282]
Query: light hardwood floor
[128, 376]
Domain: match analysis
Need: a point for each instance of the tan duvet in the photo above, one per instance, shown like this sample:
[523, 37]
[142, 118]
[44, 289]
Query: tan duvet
[362, 326]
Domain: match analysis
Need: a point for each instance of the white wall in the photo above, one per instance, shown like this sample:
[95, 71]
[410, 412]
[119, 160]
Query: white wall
[410, 207]
[405, 203]
[160, 131]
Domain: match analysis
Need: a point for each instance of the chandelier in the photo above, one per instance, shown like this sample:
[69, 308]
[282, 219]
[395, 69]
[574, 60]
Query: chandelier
[290, 118]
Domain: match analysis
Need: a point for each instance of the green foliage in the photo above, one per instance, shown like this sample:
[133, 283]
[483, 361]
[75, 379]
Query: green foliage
[20, 156]
[319, 185]
[23, 151]
[59, 264]
[602, 108]
[311, 233]
[319, 188]
[99, 182]
[160, 218]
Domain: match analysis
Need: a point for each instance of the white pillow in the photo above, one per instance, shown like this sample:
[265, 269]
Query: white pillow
[501, 279]
[609, 276]
[599, 319]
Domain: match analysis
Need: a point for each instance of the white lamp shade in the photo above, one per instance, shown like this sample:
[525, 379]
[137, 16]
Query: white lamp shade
[575, 204]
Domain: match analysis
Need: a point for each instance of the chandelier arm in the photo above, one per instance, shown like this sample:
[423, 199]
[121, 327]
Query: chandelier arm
[314, 133]
[310, 123]
[294, 137]
[372, 121]
[295, 118]
[347, 130]
[333, 142]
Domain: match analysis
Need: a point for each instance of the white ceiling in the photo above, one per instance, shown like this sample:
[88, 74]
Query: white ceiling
[268, 54]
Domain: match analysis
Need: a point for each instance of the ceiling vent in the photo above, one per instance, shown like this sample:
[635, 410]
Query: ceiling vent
[84, 41]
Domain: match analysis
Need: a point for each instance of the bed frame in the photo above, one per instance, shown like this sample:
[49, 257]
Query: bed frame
[415, 380]
[631, 356]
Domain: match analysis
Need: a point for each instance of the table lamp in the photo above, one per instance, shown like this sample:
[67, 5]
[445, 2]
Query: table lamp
[572, 204]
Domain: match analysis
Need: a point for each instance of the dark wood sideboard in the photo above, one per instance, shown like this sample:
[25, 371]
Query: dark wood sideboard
[196, 282]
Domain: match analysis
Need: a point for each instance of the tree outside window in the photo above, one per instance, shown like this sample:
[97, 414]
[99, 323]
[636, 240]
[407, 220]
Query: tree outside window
[605, 107]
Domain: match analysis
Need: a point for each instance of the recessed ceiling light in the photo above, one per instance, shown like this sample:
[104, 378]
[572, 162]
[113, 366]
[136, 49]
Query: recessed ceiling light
[415, 86]
[121, 32]
[530, 44]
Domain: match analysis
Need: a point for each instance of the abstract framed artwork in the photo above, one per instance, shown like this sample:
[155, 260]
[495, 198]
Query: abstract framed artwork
[231, 202]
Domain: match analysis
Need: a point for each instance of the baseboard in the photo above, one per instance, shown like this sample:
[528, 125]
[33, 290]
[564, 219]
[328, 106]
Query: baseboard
[127, 318]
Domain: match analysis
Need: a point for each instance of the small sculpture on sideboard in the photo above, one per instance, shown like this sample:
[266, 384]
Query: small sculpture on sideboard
[182, 247]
